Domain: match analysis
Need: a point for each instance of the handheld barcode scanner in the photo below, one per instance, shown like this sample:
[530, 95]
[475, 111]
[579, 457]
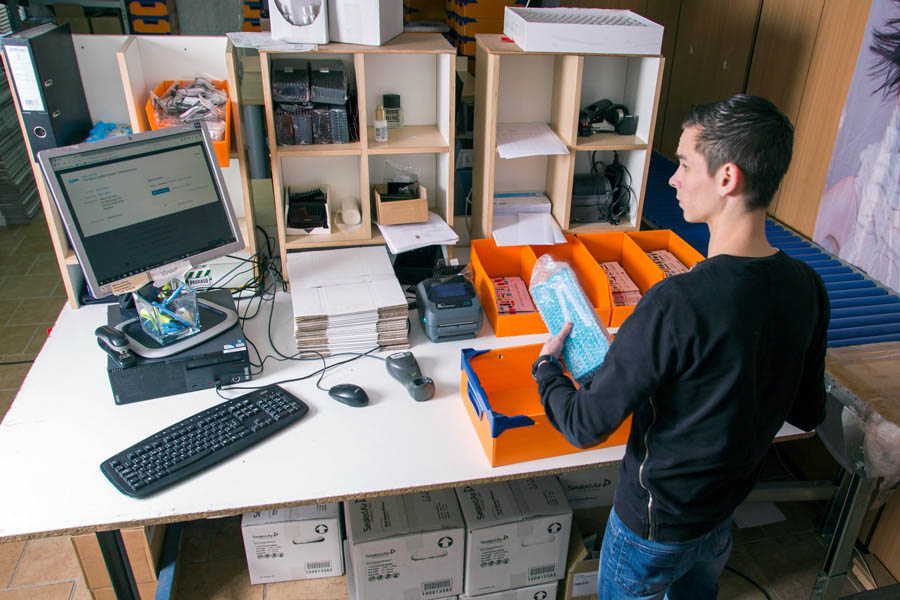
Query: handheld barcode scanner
[404, 368]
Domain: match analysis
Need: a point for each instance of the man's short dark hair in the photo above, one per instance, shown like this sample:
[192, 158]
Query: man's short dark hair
[750, 132]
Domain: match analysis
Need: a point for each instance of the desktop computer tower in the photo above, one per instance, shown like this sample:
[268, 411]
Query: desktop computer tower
[46, 80]
[222, 360]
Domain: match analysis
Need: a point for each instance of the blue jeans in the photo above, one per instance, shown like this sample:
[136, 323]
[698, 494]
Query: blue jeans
[633, 568]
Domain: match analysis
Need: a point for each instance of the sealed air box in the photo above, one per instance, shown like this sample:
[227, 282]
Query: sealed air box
[502, 401]
[302, 542]
[517, 534]
[592, 488]
[409, 546]
[582, 31]
[544, 591]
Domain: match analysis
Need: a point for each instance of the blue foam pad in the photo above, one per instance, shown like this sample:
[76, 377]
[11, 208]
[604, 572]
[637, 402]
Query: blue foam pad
[559, 298]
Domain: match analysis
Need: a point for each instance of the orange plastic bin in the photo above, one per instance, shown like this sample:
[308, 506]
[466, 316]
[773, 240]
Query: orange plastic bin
[222, 147]
[618, 247]
[502, 401]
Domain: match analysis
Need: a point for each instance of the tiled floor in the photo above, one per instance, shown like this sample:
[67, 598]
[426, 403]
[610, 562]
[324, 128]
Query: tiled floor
[783, 557]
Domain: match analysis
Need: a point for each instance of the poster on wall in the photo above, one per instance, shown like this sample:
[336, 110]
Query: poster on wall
[859, 215]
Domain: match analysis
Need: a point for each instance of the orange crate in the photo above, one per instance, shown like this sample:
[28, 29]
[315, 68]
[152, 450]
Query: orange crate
[590, 274]
[251, 25]
[503, 403]
[151, 8]
[250, 10]
[222, 147]
[488, 260]
[666, 239]
[605, 247]
[485, 9]
[154, 25]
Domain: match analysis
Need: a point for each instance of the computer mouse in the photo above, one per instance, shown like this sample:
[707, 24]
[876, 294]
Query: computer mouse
[350, 394]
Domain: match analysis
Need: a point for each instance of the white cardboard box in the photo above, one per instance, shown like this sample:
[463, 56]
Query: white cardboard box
[517, 534]
[369, 22]
[351, 586]
[544, 591]
[303, 542]
[283, 29]
[409, 546]
[582, 31]
[592, 488]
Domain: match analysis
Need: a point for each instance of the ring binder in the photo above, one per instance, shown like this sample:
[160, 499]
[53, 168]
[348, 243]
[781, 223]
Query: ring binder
[44, 72]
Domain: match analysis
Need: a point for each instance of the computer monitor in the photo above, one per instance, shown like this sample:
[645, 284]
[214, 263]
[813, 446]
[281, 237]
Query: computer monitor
[141, 203]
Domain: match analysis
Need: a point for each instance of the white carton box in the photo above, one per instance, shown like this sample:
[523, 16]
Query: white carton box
[517, 534]
[303, 542]
[286, 19]
[593, 488]
[544, 591]
[369, 22]
[409, 546]
[582, 31]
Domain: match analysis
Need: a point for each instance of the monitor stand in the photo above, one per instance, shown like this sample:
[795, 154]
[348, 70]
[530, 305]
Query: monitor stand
[215, 319]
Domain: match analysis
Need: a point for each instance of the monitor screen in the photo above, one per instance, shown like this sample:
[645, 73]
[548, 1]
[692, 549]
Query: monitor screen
[136, 203]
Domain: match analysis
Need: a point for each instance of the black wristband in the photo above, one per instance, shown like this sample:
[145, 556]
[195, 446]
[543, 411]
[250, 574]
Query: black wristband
[541, 360]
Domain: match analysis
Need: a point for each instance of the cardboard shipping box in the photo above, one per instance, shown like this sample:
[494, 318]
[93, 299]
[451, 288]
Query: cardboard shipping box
[143, 545]
[584, 553]
[544, 591]
[408, 546]
[517, 533]
[592, 488]
[302, 542]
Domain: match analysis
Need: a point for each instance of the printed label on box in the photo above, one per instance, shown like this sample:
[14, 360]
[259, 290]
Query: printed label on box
[584, 584]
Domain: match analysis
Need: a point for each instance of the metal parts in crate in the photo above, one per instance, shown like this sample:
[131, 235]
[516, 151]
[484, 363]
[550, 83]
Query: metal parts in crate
[449, 308]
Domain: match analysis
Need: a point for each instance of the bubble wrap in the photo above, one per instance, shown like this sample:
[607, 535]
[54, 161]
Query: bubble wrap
[560, 299]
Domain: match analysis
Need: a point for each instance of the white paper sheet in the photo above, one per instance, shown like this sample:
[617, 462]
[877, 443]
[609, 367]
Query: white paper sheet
[538, 229]
[515, 140]
[435, 231]
[262, 40]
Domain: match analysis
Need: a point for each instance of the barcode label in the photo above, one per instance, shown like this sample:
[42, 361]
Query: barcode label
[322, 566]
[538, 573]
[433, 588]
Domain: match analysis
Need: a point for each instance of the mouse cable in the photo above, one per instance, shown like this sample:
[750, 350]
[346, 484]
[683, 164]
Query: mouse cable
[746, 578]
[219, 388]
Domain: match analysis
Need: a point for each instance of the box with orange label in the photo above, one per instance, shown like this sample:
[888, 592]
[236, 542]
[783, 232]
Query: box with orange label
[657, 243]
[223, 146]
[489, 261]
[628, 258]
[503, 403]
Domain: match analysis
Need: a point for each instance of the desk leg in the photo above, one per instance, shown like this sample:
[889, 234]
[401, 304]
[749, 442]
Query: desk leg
[853, 505]
[116, 560]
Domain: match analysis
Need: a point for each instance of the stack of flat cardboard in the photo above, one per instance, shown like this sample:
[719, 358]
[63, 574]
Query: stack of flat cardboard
[19, 200]
[347, 300]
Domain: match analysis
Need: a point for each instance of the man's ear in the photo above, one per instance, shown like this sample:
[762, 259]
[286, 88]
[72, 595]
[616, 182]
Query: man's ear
[729, 179]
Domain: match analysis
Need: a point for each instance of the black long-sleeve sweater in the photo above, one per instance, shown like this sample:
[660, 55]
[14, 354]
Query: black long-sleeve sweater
[710, 363]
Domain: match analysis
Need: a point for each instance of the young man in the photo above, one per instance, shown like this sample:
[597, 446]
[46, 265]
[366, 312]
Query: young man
[710, 364]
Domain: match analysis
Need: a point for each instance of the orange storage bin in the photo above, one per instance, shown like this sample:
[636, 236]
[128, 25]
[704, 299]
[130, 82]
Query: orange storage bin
[251, 10]
[618, 247]
[151, 8]
[251, 25]
[160, 25]
[222, 147]
[590, 274]
[488, 260]
[485, 9]
[666, 239]
[503, 403]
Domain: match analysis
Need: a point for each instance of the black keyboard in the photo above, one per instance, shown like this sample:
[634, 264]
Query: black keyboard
[202, 440]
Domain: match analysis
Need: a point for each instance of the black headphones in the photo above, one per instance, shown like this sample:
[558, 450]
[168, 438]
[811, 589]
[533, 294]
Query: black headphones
[616, 115]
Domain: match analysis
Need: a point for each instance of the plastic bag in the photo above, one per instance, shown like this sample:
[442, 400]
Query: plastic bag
[559, 299]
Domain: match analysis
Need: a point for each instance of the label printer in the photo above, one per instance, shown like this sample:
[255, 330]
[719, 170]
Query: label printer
[449, 308]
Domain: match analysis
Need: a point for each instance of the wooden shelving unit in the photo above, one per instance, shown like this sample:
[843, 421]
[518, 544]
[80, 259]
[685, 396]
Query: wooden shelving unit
[513, 86]
[418, 67]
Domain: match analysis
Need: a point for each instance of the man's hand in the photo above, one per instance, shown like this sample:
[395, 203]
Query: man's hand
[554, 345]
